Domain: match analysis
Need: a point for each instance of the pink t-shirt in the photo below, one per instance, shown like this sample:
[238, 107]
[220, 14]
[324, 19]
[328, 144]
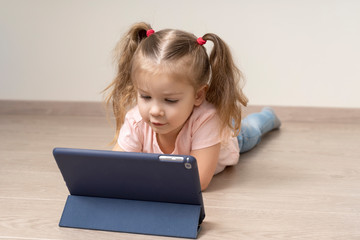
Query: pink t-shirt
[201, 130]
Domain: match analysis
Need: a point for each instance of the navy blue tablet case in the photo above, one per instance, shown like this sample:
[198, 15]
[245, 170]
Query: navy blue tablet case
[131, 192]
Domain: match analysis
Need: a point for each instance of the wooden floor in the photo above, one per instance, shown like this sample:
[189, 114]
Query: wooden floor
[301, 182]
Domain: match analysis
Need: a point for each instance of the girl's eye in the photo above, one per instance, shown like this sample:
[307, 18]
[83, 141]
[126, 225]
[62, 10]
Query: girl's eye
[171, 100]
[145, 97]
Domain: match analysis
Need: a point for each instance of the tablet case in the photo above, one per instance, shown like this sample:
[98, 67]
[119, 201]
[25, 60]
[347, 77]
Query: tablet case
[131, 192]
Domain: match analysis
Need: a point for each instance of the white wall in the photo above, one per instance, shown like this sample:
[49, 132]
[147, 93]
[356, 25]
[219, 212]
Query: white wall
[293, 53]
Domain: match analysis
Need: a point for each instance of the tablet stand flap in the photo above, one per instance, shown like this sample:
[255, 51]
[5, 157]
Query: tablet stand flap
[133, 216]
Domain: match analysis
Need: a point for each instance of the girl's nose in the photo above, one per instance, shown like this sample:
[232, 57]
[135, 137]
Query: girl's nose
[156, 110]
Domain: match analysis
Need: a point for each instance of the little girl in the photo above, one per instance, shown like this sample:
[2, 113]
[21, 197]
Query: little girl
[170, 97]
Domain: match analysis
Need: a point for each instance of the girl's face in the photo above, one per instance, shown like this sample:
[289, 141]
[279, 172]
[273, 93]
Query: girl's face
[166, 101]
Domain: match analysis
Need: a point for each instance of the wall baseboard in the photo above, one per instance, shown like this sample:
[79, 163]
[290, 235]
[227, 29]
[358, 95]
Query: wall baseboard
[19, 107]
[293, 114]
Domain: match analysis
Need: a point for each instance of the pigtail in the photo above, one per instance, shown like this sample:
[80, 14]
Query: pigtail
[121, 92]
[225, 91]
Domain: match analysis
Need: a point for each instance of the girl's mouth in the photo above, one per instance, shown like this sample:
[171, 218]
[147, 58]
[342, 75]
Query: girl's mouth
[158, 124]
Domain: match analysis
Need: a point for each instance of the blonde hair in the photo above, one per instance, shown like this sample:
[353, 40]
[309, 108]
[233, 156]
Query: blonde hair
[173, 48]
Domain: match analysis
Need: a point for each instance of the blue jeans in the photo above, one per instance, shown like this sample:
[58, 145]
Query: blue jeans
[254, 126]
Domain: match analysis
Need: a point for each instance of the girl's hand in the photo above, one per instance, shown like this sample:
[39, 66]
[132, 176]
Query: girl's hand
[207, 159]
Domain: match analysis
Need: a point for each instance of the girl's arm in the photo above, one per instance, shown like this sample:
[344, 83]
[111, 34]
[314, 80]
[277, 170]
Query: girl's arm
[117, 148]
[207, 159]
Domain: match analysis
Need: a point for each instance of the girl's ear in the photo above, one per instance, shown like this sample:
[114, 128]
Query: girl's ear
[200, 95]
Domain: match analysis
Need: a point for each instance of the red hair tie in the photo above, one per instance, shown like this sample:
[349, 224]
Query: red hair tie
[201, 41]
[149, 32]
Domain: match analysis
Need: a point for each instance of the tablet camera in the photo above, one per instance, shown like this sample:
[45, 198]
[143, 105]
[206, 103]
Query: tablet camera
[188, 165]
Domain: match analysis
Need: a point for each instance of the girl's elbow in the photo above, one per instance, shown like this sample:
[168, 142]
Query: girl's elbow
[204, 187]
[205, 179]
[204, 183]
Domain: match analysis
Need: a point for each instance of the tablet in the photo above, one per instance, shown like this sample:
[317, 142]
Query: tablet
[131, 176]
